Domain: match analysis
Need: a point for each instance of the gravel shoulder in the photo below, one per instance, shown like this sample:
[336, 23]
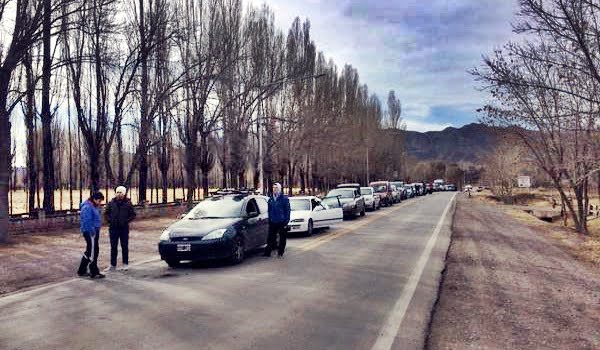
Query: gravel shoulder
[508, 285]
[39, 258]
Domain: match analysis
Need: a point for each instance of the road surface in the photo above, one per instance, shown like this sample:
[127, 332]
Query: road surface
[369, 283]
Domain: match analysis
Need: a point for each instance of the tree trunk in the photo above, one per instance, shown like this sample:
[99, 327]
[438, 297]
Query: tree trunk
[46, 113]
[94, 162]
[5, 138]
[144, 118]
[121, 165]
[31, 134]
[190, 172]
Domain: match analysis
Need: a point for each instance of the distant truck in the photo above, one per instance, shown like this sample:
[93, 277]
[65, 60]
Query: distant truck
[439, 185]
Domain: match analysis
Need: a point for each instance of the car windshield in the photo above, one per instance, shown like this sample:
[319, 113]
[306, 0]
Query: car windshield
[366, 191]
[380, 188]
[343, 193]
[331, 202]
[217, 208]
[299, 204]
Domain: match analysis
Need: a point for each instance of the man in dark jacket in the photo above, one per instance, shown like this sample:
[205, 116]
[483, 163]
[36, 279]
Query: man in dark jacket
[119, 213]
[90, 222]
[279, 217]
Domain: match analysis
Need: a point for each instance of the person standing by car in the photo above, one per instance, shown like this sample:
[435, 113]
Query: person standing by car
[90, 223]
[279, 217]
[119, 213]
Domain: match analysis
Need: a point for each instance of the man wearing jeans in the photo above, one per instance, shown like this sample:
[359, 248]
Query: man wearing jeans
[119, 213]
[90, 223]
[279, 217]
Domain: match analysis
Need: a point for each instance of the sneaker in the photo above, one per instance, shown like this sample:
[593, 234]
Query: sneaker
[97, 276]
[110, 269]
[125, 267]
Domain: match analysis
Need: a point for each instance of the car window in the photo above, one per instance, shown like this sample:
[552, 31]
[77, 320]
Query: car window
[263, 205]
[299, 204]
[314, 204]
[343, 193]
[228, 207]
[251, 206]
[331, 202]
[366, 191]
[380, 188]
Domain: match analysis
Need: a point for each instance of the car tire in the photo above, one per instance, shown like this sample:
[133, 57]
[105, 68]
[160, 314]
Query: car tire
[310, 230]
[238, 251]
[173, 263]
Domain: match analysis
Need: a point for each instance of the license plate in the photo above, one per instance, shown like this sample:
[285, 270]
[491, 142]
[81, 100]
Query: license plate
[184, 247]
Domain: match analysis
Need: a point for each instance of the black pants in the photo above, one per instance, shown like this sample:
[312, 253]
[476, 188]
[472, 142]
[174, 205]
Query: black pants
[274, 230]
[90, 256]
[116, 235]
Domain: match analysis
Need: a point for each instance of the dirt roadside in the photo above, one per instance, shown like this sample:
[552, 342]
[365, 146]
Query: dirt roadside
[34, 259]
[508, 285]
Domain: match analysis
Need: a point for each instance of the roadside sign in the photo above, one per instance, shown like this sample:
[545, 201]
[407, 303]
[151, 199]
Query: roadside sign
[524, 181]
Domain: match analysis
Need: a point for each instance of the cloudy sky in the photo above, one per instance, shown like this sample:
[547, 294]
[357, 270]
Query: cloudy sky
[419, 48]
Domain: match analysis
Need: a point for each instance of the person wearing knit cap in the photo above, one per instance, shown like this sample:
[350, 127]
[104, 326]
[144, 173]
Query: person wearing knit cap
[279, 217]
[119, 213]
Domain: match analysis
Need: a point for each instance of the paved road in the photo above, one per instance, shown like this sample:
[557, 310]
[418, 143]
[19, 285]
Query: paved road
[370, 283]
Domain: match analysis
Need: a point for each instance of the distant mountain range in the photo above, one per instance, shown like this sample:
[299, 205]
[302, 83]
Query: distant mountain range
[469, 143]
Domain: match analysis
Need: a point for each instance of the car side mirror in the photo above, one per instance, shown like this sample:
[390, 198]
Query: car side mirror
[252, 214]
[318, 208]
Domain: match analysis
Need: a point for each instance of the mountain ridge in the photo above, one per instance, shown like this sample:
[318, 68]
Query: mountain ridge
[470, 143]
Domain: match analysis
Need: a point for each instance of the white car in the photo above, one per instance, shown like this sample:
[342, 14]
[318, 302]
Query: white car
[309, 213]
[372, 200]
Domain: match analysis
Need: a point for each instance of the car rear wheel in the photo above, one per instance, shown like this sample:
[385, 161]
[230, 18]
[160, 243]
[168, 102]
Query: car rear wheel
[238, 250]
[310, 230]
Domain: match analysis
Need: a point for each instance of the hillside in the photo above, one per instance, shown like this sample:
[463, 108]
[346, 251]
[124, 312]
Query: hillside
[469, 143]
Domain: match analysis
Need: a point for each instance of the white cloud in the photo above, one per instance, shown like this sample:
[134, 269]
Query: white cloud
[420, 49]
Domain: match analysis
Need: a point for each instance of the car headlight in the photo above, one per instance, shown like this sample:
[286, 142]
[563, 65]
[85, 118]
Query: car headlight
[298, 220]
[165, 236]
[216, 234]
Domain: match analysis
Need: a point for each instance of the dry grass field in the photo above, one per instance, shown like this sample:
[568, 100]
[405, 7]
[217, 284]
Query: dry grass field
[586, 248]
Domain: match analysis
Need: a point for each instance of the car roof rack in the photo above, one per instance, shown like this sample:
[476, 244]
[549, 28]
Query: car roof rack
[233, 191]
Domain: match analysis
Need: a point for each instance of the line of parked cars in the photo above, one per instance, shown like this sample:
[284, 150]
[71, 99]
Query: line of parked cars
[231, 223]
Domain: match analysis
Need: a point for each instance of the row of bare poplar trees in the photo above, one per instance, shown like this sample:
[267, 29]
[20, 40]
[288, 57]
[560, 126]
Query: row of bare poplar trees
[133, 85]
[546, 88]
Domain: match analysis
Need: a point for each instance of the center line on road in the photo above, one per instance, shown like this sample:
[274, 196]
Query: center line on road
[390, 329]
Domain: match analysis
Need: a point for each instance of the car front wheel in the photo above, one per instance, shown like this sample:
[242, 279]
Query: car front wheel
[237, 250]
[172, 262]
[310, 230]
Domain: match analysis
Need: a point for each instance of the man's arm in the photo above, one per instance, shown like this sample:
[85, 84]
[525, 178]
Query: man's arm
[107, 212]
[286, 209]
[86, 220]
[132, 213]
